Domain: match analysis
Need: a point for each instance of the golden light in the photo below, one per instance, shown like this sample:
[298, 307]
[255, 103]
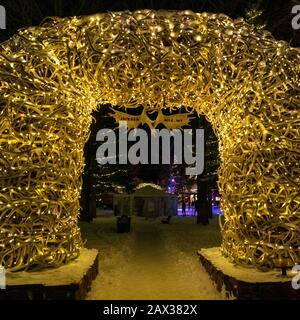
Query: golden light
[242, 79]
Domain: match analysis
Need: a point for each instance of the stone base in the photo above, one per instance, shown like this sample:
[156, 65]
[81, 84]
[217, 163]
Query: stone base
[247, 283]
[68, 282]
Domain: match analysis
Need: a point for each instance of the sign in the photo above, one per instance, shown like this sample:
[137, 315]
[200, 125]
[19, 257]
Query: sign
[169, 121]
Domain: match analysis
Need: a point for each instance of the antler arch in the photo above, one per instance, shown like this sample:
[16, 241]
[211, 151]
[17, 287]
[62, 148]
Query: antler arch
[242, 79]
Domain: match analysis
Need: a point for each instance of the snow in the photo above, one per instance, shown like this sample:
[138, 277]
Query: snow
[153, 261]
[251, 275]
[64, 275]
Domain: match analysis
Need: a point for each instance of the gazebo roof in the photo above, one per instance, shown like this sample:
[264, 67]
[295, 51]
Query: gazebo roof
[150, 191]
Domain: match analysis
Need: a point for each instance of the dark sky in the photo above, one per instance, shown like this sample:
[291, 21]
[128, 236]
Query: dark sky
[20, 13]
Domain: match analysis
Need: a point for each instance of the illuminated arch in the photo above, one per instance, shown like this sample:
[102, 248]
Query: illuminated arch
[242, 79]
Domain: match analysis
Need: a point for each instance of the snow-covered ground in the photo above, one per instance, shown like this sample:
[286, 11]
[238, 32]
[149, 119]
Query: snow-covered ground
[153, 261]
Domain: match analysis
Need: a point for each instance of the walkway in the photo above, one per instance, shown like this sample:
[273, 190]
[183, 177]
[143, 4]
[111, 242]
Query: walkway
[154, 261]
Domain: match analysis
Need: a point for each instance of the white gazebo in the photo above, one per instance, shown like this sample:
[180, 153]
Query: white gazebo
[148, 200]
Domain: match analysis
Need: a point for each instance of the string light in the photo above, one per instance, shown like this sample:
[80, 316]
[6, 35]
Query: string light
[242, 79]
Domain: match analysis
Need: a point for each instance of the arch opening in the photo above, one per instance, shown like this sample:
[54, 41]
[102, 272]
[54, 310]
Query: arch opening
[243, 80]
